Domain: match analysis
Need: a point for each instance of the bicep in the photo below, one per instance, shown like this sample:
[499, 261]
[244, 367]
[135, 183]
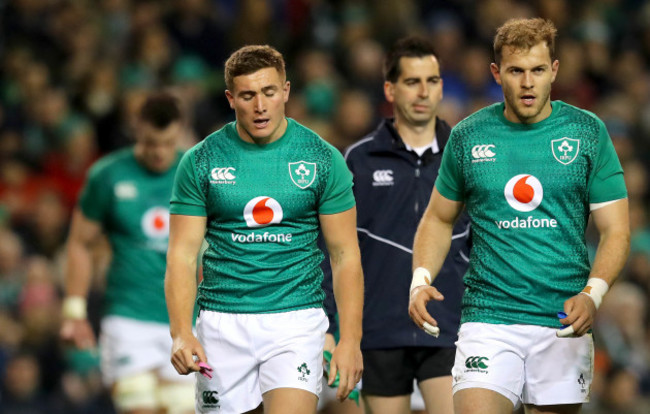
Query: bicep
[186, 235]
[84, 230]
[612, 217]
[442, 209]
[339, 231]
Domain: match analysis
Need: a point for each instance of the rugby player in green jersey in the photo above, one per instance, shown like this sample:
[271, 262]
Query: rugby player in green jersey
[530, 172]
[126, 197]
[259, 190]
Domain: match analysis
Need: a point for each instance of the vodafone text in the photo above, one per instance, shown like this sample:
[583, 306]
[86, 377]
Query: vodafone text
[529, 222]
[265, 237]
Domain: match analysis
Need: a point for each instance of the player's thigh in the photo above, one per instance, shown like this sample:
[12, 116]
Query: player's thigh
[388, 372]
[490, 357]
[559, 371]
[399, 404]
[437, 395]
[553, 409]
[481, 401]
[289, 401]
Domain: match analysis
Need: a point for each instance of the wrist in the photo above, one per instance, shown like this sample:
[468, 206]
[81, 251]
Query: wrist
[596, 289]
[74, 307]
[421, 277]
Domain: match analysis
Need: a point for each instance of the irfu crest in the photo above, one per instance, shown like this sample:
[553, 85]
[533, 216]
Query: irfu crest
[565, 150]
[302, 173]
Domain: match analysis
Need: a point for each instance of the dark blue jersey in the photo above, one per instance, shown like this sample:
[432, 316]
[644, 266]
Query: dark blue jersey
[392, 187]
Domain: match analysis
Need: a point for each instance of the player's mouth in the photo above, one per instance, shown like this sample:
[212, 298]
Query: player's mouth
[528, 99]
[261, 123]
[421, 107]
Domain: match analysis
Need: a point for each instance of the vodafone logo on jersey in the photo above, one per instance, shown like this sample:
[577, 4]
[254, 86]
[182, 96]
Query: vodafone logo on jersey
[262, 211]
[524, 192]
[155, 222]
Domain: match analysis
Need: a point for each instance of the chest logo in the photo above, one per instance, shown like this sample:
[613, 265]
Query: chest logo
[262, 211]
[155, 223]
[482, 153]
[565, 150]
[382, 178]
[524, 192]
[222, 175]
[125, 190]
[302, 173]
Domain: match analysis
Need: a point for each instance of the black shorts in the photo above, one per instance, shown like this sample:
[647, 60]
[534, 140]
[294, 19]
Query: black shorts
[390, 372]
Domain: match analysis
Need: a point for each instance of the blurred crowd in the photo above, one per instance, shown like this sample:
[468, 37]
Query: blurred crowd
[73, 72]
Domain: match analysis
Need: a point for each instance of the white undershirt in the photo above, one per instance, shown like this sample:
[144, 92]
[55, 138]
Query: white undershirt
[420, 150]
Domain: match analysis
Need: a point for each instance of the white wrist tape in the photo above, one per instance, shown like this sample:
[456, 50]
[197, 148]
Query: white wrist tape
[596, 289]
[421, 277]
[74, 307]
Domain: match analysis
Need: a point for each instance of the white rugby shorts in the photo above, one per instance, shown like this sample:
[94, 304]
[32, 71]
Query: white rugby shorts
[251, 354]
[527, 364]
[129, 346]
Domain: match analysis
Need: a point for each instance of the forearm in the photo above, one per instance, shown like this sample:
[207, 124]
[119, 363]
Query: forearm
[78, 269]
[431, 245]
[348, 292]
[613, 249]
[180, 294]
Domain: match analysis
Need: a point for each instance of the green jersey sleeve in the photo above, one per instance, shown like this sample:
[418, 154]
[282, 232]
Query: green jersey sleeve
[450, 183]
[187, 198]
[606, 181]
[338, 195]
[94, 200]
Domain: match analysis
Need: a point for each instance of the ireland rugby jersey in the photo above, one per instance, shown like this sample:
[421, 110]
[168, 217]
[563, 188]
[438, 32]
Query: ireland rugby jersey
[528, 188]
[262, 205]
[132, 205]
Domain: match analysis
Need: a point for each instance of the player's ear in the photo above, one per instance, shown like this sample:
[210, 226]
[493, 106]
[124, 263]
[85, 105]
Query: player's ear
[287, 90]
[389, 91]
[494, 68]
[231, 99]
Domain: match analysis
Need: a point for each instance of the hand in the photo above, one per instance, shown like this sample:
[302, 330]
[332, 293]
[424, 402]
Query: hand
[418, 300]
[348, 362]
[184, 350]
[78, 332]
[580, 310]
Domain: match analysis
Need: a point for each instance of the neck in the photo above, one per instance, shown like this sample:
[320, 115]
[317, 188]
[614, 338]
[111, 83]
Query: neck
[275, 135]
[416, 135]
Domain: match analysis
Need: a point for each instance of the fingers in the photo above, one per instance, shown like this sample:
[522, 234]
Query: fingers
[578, 317]
[334, 369]
[430, 329]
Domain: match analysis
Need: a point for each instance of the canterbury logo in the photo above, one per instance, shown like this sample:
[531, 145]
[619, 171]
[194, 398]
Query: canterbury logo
[382, 177]
[210, 397]
[483, 151]
[476, 362]
[223, 174]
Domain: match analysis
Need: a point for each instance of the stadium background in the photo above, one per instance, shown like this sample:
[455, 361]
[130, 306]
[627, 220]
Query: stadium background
[72, 72]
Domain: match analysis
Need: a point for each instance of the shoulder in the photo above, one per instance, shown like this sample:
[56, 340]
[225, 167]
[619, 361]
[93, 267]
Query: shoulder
[306, 139]
[578, 115]
[109, 162]
[478, 119]
[368, 142]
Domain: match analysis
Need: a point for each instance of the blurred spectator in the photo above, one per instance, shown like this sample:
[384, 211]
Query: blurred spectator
[21, 391]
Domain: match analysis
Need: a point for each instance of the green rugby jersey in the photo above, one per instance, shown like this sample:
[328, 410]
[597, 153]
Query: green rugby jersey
[528, 190]
[132, 205]
[262, 205]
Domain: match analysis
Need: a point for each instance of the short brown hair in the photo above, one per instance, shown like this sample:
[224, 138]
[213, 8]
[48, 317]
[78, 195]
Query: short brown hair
[250, 59]
[524, 34]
